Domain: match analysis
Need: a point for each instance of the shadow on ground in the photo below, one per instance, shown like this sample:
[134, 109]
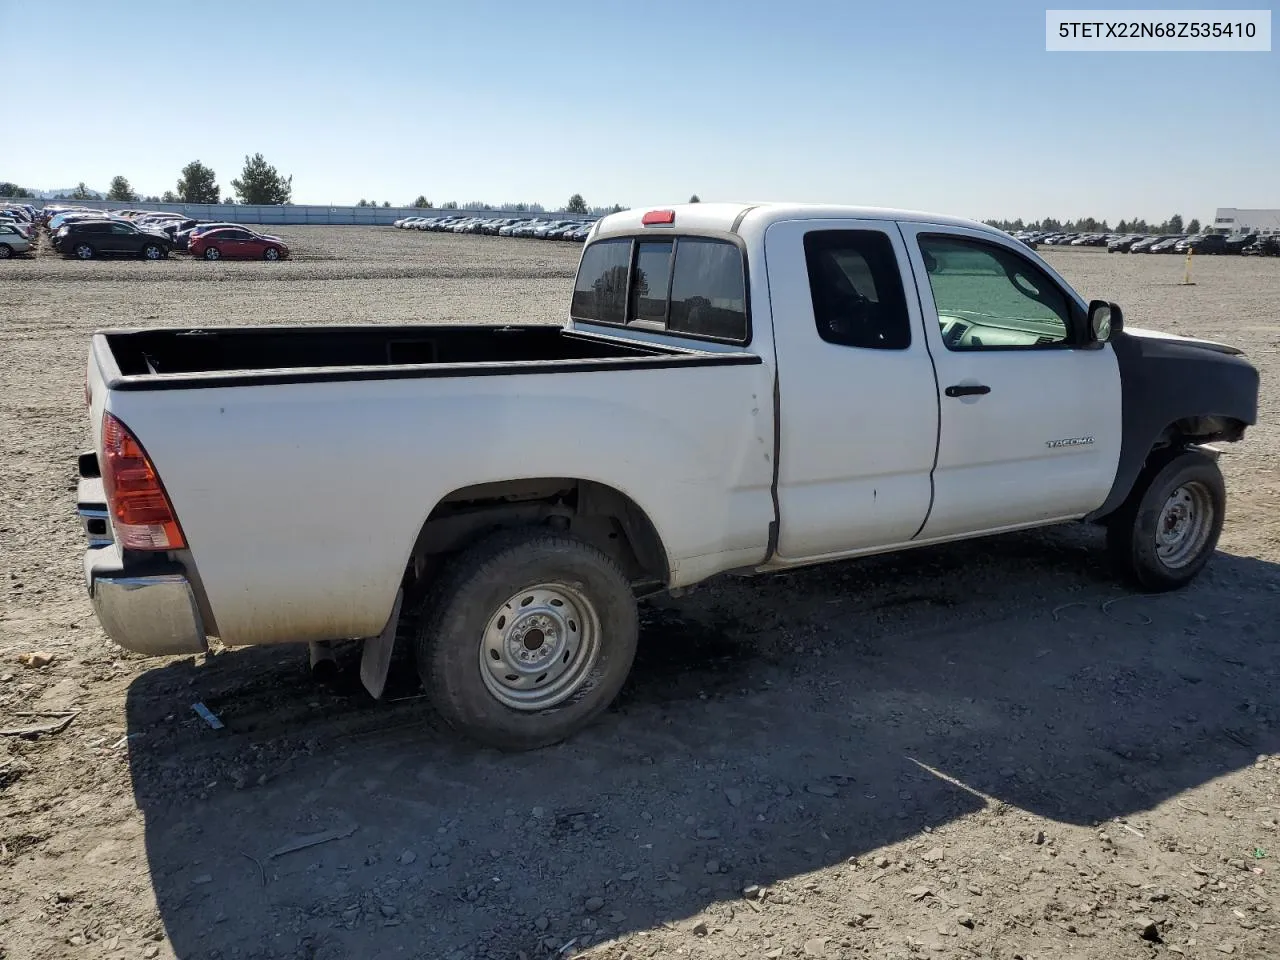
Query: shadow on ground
[771, 728]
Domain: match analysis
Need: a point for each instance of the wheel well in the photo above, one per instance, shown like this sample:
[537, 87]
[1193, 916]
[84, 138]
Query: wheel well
[1195, 430]
[599, 514]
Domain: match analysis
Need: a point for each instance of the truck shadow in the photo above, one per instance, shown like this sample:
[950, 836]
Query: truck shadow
[771, 728]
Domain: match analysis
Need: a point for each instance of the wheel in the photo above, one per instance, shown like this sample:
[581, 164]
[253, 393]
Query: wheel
[6, 251]
[83, 251]
[152, 251]
[526, 638]
[212, 253]
[1169, 527]
[271, 253]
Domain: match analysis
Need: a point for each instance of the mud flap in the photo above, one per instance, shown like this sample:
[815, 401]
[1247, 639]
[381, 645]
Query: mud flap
[375, 655]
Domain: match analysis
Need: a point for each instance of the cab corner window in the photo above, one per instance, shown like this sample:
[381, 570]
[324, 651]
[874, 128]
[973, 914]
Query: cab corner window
[991, 298]
[600, 292]
[856, 288]
[708, 291]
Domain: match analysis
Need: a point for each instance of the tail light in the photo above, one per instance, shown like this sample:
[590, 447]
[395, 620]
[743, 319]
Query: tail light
[144, 518]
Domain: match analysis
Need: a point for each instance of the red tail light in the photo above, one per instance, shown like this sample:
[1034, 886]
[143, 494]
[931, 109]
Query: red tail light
[657, 217]
[144, 518]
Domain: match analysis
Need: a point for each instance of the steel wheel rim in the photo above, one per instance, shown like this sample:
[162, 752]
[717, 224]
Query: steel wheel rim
[1185, 522]
[540, 647]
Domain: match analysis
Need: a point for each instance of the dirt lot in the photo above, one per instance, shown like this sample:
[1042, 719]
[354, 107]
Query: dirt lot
[958, 752]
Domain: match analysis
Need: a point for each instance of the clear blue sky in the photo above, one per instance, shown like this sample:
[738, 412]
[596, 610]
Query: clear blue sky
[952, 107]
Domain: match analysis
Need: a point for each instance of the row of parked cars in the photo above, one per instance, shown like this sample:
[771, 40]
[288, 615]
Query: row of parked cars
[1251, 244]
[17, 229]
[1200, 243]
[86, 234]
[541, 228]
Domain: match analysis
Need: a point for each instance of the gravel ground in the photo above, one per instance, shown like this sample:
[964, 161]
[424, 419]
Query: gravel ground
[955, 752]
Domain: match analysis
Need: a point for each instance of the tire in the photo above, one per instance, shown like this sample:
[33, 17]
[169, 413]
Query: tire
[84, 252]
[271, 253]
[475, 650]
[153, 251]
[1168, 529]
[6, 251]
[212, 253]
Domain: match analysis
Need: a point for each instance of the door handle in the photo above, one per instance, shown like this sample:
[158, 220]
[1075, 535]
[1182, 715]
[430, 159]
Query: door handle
[967, 390]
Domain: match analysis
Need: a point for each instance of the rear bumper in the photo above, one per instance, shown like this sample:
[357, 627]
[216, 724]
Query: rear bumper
[149, 608]
[144, 602]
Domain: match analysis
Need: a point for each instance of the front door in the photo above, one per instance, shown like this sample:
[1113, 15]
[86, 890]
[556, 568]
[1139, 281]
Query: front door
[1030, 408]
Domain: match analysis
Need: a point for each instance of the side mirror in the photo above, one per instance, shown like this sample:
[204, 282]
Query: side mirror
[1105, 320]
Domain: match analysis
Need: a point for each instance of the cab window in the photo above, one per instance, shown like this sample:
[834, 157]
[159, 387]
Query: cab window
[856, 289]
[990, 298]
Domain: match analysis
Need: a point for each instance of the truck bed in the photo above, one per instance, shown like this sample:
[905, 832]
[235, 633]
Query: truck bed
[176, 358]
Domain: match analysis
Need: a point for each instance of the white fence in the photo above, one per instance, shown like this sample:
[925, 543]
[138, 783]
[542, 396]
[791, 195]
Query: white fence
[293, 214]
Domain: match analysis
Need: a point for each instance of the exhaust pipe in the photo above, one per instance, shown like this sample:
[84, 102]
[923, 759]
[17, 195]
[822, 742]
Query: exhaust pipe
[323, 664]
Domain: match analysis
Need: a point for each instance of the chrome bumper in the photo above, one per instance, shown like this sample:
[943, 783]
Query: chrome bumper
[150, 610]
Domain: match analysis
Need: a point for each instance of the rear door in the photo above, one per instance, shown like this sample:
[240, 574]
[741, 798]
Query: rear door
[1030, 410]
[121, 238]
[97, 235]
[859, 403]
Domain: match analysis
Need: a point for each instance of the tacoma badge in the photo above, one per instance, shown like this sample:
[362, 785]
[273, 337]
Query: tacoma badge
[1069, 442]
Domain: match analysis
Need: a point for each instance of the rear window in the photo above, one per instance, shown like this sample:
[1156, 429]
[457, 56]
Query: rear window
[691, 286]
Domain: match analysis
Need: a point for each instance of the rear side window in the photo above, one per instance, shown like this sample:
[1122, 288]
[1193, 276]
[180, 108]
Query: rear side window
[856, 287]
[690, 286]
[600, 293]
[708, 290]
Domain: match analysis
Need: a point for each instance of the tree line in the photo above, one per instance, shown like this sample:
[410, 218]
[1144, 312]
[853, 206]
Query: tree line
[261, 183]
[1173, 225]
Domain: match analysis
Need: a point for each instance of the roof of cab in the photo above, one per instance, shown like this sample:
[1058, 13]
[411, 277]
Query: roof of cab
[758, 216]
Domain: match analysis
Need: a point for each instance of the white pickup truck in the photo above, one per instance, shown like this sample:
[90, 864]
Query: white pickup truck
[744, 388]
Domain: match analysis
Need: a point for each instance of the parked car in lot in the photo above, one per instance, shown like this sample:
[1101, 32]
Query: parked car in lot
[1268, 246]
[1202, 243]
[1167, 245]
[179, 228]
[1235, 246]
[511, 228]
[1123, 244]
[182, 238]
[237, 243]
[12, 241]
[24, 227]
[522, 570]
[59, 220]
[543, 229]
[86, 239]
